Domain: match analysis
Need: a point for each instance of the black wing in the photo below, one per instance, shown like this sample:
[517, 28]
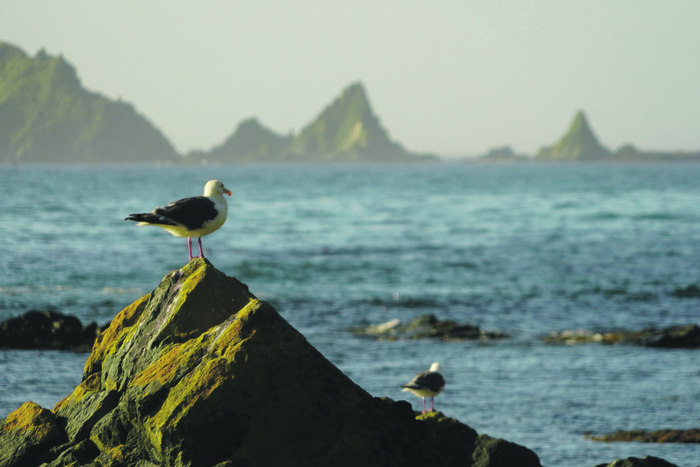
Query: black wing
[189, 212]
[433, 381]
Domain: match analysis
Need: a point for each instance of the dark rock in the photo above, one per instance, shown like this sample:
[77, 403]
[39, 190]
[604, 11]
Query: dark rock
[494, 452]
[81, 453]
[47, 330]
[202, 373]
[687, 336]
[659, 436]
[427, 326]
[477, 450]
[451, 435]
[648, 461]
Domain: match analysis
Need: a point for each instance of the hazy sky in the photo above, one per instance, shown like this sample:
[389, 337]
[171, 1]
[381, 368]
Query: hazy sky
[450, 77]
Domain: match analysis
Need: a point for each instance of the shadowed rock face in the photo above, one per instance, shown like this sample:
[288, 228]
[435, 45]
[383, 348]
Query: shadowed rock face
[201, 373]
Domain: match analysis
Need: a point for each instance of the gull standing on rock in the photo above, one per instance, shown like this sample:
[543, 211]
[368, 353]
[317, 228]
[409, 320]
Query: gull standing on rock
[190, 217]
[427, 384]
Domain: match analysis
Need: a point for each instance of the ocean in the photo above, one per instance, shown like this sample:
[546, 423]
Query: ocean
[524, 249]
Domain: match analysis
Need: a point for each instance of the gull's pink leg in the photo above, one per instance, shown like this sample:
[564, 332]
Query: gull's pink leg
[199, 242]
[189, 246]
[432, 407]
[424, 405]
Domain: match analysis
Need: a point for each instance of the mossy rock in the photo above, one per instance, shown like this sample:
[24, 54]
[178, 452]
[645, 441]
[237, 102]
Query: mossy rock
[202, 373]
[27, 435]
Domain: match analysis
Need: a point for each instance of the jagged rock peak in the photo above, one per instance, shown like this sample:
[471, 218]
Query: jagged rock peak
[347, 130]
[578, 144]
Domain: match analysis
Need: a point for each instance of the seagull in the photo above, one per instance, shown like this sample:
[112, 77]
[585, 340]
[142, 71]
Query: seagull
[190, 217]
[427, 384]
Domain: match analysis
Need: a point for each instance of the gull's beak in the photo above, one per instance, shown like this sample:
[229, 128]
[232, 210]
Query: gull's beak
[227, 192]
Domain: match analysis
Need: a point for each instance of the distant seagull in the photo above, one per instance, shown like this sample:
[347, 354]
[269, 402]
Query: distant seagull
[427, 384]
[190, 217]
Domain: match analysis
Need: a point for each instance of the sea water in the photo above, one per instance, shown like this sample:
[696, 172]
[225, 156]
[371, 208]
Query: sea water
[523, 249]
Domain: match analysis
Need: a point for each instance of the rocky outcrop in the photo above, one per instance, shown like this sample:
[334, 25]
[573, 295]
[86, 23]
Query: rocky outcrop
[648, 461]
[202, 373]
[48, 330]
[659, 436]
[427, 326]
[674, 337]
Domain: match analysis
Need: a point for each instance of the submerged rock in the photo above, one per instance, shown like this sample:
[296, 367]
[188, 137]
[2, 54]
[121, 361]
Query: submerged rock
[47, 330]
[648, 461]
[427, 326]
[687, 336]
[659, 436]
[202, 373]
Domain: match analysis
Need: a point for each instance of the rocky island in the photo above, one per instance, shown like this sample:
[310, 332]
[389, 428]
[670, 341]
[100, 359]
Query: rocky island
[580, 144]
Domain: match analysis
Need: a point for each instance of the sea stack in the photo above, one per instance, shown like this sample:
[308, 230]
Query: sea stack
[579, 144]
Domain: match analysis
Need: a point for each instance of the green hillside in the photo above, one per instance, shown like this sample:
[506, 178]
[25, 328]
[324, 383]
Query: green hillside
[47, 116]
[578, 144]
[347, 131]
[251, 142]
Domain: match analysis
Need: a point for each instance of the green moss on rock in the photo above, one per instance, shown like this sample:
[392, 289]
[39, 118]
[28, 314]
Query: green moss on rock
[27, 435]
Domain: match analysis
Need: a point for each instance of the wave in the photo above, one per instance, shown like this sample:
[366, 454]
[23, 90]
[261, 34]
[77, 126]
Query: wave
[602, 216]
[611, 293]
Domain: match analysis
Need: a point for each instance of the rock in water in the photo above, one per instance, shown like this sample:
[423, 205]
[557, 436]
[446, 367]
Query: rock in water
[48, 330]
[202, 373]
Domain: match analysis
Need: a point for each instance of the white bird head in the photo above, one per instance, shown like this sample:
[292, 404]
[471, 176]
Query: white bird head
[215, 188]
[435, 368]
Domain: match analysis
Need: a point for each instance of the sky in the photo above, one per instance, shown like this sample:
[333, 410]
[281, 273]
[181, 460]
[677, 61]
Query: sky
[454, 78]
